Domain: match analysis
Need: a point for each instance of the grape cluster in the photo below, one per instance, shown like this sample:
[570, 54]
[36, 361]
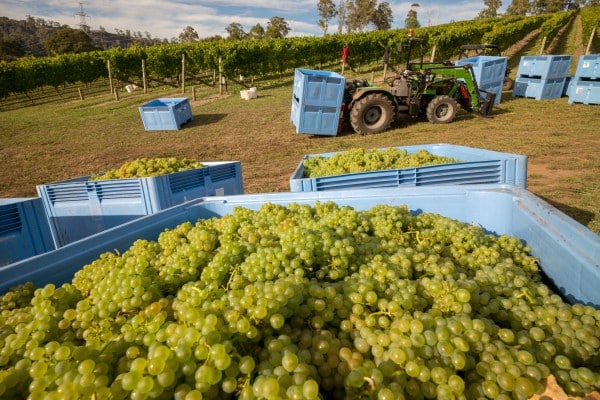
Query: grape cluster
[301, 302]
[364, 160]
[146, 167]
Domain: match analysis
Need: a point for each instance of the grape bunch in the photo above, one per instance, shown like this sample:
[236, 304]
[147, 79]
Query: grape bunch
[147, 167]
[302, 302]
[364, 160]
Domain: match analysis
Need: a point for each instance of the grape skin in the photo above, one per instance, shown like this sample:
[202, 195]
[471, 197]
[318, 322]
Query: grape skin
[298, 300]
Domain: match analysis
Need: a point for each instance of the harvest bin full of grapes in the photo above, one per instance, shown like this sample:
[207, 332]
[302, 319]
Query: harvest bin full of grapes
[448, 292]
[83, 206]
[418, 165]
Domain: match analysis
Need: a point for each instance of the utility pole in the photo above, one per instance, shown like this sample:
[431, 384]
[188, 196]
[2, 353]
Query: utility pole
[82, 19]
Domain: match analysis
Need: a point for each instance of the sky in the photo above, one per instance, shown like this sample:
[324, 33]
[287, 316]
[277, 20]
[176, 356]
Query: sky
[167, 19]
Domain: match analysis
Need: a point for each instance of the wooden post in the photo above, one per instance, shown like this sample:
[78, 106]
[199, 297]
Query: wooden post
[193, 93]
[432, 59]
[110, 82]
[220, 77]
[116, 94]
[183, 73]
[144, 76]
[80, 93]
[543, 45]
[384, 71]
[589, 45]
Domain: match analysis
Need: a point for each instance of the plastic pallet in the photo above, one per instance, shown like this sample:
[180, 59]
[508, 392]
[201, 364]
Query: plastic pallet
[584, 91]
[166, 114]
[544, 66]
[588, 66]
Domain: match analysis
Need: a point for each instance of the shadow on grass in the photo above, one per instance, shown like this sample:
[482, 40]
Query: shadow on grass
[205, 119]
[584, 217]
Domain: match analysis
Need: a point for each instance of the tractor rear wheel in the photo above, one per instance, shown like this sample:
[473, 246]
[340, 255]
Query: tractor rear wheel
[373, 113]
[441, 110]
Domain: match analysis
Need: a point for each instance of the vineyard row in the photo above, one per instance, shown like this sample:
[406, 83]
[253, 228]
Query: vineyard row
[268, 56]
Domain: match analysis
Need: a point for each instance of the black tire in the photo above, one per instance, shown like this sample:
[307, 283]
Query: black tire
[508, 83]
[373, 113]
[441, 110]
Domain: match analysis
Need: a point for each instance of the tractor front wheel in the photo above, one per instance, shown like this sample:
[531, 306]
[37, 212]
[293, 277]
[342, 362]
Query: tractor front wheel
[373, 113]
[441, 110]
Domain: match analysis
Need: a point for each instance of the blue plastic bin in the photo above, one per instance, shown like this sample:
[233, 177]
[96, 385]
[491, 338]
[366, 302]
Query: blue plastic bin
[568, 252]
[588, 66]
[316, 101]
[544, 66]
[477, 166]
[78, 208]
[24, 229]
[539, 89]
[489, 73]
[584, 91]
[166, 114]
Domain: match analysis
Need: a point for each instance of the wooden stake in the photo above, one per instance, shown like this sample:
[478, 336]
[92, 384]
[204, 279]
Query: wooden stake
[220, 77]
[543, 46]
[80, 93]
[183, 73]
[193, 93]
[116, 94]
[432, 59]
[589, 45]
[110, 82]
[144, 76]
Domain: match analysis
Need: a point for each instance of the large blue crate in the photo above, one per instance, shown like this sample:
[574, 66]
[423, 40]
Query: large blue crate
[494, 87]
[24, 229]
[584, 91]
[539, 89]
[165, 114]
[588, 66]
[316, 101]
[544, 66]
[487, 69]
[78, 208]
[477, 166]
[568, 252]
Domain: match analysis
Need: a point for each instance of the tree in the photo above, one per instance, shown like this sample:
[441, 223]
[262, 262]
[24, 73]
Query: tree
[188, 35]
[236, 31]
[341, 12]
[256, 32]
[491, 9]
[10, 50]
[383, 18]
[412, 20]
[360, 14]
[69, 40]
[327, 11]
[277, 27]
[518, 7]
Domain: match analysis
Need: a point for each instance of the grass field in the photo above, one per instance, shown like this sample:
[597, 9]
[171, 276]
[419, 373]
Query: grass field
[52, 142]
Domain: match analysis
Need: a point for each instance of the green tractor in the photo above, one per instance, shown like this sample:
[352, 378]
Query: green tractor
[431, 90]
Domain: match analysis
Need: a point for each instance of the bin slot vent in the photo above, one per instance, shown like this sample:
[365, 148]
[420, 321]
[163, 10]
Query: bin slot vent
[189, 179]
[67, 193]
[222, 172]
[120, 190]
[10, 220]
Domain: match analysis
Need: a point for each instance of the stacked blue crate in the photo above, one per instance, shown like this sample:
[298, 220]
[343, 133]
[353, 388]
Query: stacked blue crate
[316, 101]
[489, 73]
[584, 87]
[542, 77]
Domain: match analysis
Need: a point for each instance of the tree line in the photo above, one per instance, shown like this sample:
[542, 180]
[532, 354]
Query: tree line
[38, 37]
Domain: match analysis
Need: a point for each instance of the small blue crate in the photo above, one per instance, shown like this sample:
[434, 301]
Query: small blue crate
[584, 91]
[567, 251]
[316, 101]
[544, 67]
[79, 207]
[477, 166]
[588, 66]
[539, 89]
[24, 229]
[494, 87]
[166, 114]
